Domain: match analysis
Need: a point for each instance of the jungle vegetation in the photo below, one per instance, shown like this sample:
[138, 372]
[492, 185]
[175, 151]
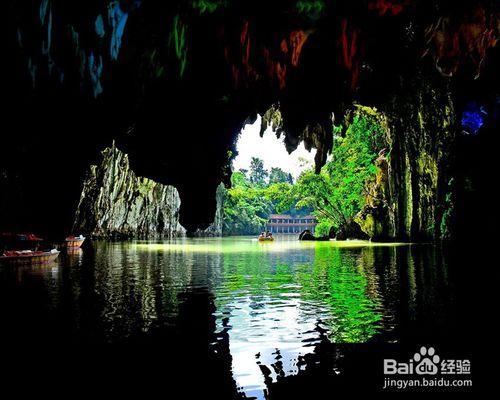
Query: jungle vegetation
[334, 196]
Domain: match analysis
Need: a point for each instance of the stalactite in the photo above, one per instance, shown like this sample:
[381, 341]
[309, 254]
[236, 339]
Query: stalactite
[349, 42]
[99, 26]
[297, 40]
[95, 66]
[117, 19]
[178, 40]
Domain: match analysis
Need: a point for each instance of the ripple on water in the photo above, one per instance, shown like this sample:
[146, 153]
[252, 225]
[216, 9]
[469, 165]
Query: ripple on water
[273, 302]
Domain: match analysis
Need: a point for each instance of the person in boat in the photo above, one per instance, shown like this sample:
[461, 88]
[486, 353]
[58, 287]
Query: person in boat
[269, 235]
[262, 235]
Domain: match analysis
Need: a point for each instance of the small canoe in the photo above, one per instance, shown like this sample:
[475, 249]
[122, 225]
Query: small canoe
[266, 239]
[73, 242]
[28, 257]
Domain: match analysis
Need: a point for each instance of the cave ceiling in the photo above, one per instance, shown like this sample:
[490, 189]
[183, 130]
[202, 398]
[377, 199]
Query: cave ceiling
[173, 82]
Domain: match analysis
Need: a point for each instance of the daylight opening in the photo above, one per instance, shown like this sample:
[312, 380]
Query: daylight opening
[271, 150]
[263, 170]
[274, 192]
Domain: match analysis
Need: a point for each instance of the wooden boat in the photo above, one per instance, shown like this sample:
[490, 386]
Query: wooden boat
[28, 257]
[73, 242]
[266, 239]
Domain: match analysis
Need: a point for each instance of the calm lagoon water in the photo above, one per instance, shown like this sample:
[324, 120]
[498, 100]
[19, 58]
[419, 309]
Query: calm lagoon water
[269, 304]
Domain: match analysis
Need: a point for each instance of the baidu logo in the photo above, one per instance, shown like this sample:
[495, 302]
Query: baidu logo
[426, 362]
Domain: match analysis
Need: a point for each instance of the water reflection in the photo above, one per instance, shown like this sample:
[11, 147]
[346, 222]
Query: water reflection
[273, 303]
[283, 302]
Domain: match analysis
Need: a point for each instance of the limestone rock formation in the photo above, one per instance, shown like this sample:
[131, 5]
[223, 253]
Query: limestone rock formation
[116, 203]
[426, 130]
[407, 199]
[376, 218]
[306, 235]
[350, 231]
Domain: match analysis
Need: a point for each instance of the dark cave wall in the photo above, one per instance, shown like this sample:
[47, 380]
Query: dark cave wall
[408, 200]
[172, 82]
[425, 129]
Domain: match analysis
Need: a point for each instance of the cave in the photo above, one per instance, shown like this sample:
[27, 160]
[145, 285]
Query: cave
[122, 121]
[173, 84]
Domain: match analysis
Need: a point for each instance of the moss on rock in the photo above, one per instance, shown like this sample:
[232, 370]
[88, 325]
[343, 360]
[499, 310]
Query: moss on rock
[410, 198]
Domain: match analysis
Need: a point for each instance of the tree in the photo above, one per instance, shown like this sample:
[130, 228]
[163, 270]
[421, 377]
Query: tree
[337, 193]
[277, 175]
[246, 207]
[239, 179]
[258, 173]
[249, 203]
[243, 171]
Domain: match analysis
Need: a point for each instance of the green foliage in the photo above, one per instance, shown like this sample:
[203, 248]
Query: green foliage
[251, 199]
[246, 207]
[239, 179]
[449, 209]
[323, 227]
[353, 164]
[277, 175]
[337, 193]
[258, 173]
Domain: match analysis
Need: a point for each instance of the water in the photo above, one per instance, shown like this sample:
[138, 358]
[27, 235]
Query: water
[264, 309]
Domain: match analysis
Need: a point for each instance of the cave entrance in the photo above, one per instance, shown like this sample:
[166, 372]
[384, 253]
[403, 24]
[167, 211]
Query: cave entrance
[262, 170]
[270, 149]
[284, 193]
